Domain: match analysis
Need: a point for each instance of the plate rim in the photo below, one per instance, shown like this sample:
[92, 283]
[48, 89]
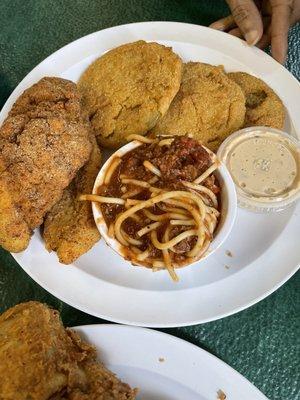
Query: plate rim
[178, 344]
[139, 323]
[145, 325]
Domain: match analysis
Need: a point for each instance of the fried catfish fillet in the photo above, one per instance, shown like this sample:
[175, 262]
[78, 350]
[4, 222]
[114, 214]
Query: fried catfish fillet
[102, 385]
[38, 357]
[69, 228]
[44, 141]
[41, 360]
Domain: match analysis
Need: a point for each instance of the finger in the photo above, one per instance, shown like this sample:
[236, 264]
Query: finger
[248, 19]
[236, 32]
[224, 24]
[295, 17]
[281, 12]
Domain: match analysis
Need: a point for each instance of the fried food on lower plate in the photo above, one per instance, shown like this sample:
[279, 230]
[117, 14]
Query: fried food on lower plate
[128, 89]
[43, 143]
[263, 106]
[69, 228]
[42, 360]
[209, 105]
[38, 356]
[102, 385]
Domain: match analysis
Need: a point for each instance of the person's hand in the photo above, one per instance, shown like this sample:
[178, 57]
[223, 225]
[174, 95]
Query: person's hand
[262, 22]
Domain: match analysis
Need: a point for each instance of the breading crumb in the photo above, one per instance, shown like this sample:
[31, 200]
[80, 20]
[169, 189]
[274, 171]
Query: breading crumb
[221, 395]
[228, 253]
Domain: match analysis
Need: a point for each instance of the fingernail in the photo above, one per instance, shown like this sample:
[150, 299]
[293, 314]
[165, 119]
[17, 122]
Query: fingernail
[252, 37]
[217, 25]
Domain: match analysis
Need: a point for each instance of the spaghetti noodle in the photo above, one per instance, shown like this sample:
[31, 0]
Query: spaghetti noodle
[160, 201]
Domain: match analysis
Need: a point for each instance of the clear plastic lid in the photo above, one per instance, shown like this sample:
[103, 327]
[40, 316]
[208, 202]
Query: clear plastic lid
[265, 166]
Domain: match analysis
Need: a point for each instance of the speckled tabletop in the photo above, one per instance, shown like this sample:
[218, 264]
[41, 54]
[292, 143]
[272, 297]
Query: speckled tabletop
[262, 343]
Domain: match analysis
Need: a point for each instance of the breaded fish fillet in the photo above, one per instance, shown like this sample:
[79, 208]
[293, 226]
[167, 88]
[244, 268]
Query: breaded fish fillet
[14, 232]
[43, 143]
[69, 228]
[38, 357]
[40, 360]
[103, 385]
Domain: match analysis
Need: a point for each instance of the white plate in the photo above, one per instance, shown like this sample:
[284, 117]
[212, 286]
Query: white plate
[164, 367]
[264, 248]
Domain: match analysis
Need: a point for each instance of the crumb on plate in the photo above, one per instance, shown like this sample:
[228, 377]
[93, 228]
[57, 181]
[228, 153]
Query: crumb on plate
[221, 395]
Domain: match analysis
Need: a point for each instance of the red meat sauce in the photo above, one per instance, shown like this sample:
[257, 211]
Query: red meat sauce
[184, 160]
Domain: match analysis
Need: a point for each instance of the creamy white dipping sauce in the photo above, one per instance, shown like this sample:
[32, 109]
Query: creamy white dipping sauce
[265, 166]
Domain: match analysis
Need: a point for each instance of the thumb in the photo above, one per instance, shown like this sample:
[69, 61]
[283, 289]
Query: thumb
[248, 19]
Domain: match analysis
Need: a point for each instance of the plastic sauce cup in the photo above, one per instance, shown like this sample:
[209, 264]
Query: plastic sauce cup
[265, 166]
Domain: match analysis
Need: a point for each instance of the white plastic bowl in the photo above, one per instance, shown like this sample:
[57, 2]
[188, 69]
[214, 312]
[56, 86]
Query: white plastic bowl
[228, 206]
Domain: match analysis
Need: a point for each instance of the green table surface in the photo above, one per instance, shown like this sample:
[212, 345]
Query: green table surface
[262, 342]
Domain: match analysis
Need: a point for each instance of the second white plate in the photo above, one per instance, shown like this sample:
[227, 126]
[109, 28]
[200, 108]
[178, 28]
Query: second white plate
[164, 367]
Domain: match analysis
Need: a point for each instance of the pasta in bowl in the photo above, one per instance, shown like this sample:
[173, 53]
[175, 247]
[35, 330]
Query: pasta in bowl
[163, 203]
